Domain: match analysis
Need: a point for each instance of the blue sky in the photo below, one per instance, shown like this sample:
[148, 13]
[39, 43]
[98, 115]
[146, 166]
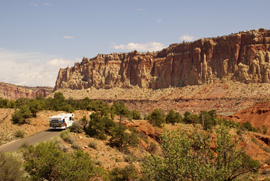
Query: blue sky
[37, 37]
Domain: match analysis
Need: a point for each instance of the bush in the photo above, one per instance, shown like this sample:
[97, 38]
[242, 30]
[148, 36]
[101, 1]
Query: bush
[46, 162]
[264, 128]
[187, 153]
[92, 144]
[248, 127]
[152, 148]
[99, 126]
[136, 115]
[75, 146]
[20, 133]
[11, 167]
[20, 116]
[65, 135]
[173, 117]
[156, 118]
[129, 172]
[76, 127]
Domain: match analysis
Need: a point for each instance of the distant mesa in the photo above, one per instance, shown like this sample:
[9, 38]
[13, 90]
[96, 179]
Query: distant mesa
[243, 57]
[13, 92]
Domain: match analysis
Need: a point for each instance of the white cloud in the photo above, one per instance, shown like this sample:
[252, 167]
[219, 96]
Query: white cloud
[30, 68]
[150, 46]
[140, 9]
[158, 20]
[47, 4]
[187, 38]
[33, 4]
[68, 37]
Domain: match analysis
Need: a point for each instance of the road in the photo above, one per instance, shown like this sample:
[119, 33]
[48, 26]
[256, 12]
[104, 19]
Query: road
[31, 140]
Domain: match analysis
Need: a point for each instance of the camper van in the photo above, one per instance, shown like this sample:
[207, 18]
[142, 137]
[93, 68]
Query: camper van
[61, 121]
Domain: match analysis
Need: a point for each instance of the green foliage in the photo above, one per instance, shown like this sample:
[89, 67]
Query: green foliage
[129, 172]
[92, 144]
[46, 161]
[36, 106]
[208, 119]
[156, 118]
[187, 156]
[136, 115]
[5, 103]
[248, 127]
[264, 128]
[76, 127]
[20, 133]
[11, 167]
[173, 117]
[84, 122]
[119, 108]
[152, 148]
[65, 135]
[99, 126]
[121, 138]
[191, 118]
[20, 116]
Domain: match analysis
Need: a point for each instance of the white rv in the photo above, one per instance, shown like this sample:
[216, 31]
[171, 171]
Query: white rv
[61, 121]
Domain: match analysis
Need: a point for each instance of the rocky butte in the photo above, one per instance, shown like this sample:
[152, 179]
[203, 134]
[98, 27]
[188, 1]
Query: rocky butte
[243, 57]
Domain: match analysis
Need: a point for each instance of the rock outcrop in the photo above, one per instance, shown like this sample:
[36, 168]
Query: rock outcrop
[10, 91]
[244, 57]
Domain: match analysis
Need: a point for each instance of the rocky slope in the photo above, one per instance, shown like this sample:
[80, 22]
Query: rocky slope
[243, 56]
[10, 91]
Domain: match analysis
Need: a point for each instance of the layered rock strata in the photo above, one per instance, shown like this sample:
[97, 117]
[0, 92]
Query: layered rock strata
[10, 91]
[244, 57]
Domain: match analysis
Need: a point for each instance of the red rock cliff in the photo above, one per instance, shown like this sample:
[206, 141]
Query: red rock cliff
[10, 91]
[244, 56]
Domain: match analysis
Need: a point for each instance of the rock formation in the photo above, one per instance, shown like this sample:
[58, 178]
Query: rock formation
[244, 57]
[10, 91]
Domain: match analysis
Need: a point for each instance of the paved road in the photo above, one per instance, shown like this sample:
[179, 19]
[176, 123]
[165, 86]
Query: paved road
[31, 140]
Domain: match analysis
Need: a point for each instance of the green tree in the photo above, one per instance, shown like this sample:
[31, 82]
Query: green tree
[128, 173]
[99, 126]
[35, 106]
[208, 119]
[136, 114]
[20, 116]
[119, 108]
[264, 128]
[187, 155]
[173, 117]
[156, 118]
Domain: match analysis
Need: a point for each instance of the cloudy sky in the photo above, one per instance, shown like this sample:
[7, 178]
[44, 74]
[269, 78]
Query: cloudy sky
[37, 37]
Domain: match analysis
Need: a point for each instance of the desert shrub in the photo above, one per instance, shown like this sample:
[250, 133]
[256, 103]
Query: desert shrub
[99, 126]
[264, 128]
[191, 118]
[46, 162]
[20, 133]
[208, 119]
[173, 117]
[202, 163]
[152, 148]
[20, 116]
[92, 144]
[84, 122]
[76, 127]
[267, 149]
[248, 127]
[11, 167]
[98, 162]
[121, 139]
[156, 118]
[65, 135]
[129, 172]
[119, 108]
[136, 115]
[229, 123]
[75, 146]
[24, 145]
[35, 106]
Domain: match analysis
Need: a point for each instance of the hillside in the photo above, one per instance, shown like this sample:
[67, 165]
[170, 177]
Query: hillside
[11, 91]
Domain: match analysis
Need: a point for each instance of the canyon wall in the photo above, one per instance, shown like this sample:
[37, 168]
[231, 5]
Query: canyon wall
[243, 57]
[10, 91]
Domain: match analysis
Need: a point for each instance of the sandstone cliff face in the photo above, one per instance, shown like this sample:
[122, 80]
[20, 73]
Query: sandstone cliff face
[244, 57]
[10, 91]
